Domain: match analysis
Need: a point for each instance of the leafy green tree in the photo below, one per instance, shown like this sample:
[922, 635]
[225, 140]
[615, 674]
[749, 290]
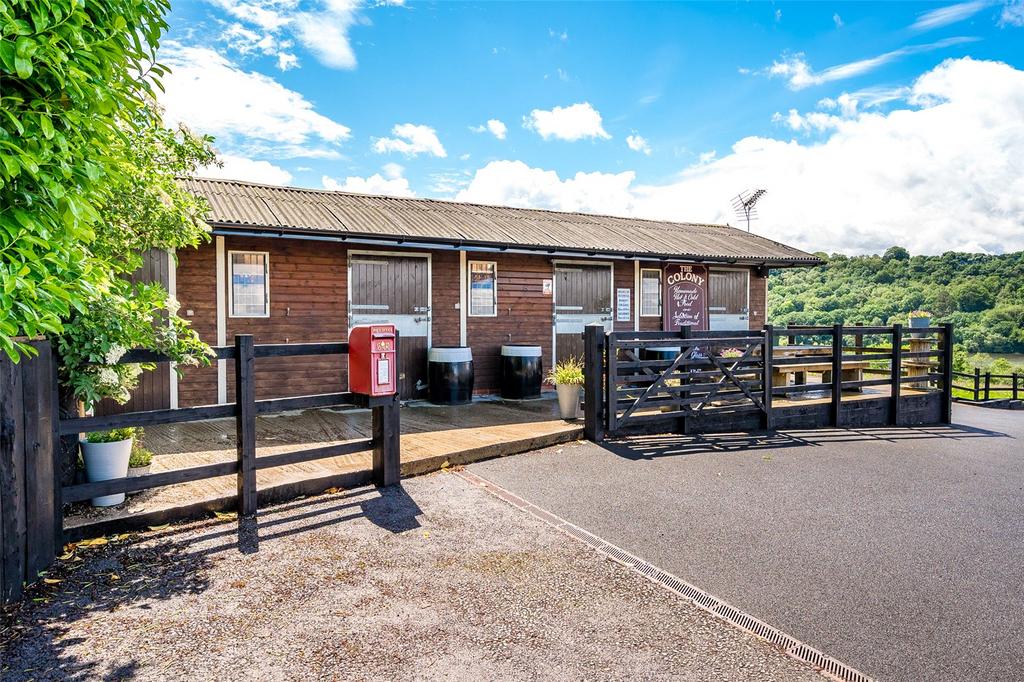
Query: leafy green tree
[149, 210]
[70, 74]
[896, 253]
[981, 294]
[87, 184]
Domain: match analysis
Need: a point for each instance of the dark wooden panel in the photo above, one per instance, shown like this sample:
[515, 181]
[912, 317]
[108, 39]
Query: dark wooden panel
[524, 315]
[586, 288]
[154, 389]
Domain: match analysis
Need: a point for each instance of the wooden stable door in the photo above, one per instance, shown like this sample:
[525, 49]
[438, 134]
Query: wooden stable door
[583, 295]
[729, 300]
[395, 290]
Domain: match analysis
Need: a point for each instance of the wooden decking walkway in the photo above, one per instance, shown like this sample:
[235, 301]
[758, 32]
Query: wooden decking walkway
[431, 436]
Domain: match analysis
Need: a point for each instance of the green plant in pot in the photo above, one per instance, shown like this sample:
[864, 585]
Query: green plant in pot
[141, 458]
[106, 455]
[919, 319]
[567, 376]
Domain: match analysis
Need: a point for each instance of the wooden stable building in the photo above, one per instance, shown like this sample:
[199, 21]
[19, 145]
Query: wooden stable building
[295, 265]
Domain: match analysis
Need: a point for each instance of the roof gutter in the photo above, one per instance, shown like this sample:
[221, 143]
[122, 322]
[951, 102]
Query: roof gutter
[228, 229]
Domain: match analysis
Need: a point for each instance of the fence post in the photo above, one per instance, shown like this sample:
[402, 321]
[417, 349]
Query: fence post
[858, 340]
[611, 409]
[1013, 378]
[593, 372]
[947, 373]
[837, 372]
[245, 422]
[977, 383]
[896, 370]
[988, 385]
[387, 453]
[766, 376]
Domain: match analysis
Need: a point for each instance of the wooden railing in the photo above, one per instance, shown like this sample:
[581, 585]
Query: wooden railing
[621, 388]
[384, 443]
[982, 386]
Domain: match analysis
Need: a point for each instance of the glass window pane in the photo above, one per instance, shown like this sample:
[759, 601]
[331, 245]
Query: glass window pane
[482, 288]
[248, 284]
[650, 293]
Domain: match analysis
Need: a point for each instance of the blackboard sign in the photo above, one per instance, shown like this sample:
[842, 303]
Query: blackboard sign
[686, 297]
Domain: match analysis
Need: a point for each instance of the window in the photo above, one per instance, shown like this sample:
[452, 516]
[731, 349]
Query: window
[483, 289]
[250, 284]
[650, 293]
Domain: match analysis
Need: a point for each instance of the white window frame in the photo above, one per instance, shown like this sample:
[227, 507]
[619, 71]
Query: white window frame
[469, 287]
[661, 288]
[231, 286]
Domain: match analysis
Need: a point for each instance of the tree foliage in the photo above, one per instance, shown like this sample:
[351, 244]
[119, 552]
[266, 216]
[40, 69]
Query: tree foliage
[983, 295]
[87, 185]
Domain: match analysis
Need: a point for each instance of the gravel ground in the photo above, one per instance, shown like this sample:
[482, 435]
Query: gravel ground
[433, 580]
[897, 551]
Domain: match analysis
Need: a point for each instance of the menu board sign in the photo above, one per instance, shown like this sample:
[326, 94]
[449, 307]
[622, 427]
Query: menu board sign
[686, 297]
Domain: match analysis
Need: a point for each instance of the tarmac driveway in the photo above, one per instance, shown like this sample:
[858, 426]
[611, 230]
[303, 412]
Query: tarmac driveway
[897, 551]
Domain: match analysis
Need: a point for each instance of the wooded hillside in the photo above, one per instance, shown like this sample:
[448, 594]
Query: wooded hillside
[982, 295]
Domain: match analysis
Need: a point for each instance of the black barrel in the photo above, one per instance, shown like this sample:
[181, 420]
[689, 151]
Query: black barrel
[660, 353]
[522, 371]
[450, 373]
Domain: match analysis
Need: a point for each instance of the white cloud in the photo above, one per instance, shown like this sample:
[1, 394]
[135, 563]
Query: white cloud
[375, 184]
[951, 14]
[243, 109]
[638, 144]
[570, 123]
[837, 20]
[799, 74]
[562, 35]
[242, 168]
[286, 60]
[1012, 14]
[392, 170]
[323, 31]
[513, 183]
[493, 126]
[411, 139]
[263, 14]
[877, 179]
[778, 15]
[707, 157]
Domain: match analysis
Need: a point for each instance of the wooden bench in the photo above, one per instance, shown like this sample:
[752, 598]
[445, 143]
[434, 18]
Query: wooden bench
[852, 371]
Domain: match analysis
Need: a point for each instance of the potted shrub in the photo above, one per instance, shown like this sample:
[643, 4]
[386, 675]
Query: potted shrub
[106, 455]
[567, 376]
[919, 319]
[141, 459]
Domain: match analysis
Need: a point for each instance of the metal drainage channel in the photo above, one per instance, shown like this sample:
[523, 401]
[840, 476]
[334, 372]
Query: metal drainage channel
[793, 647]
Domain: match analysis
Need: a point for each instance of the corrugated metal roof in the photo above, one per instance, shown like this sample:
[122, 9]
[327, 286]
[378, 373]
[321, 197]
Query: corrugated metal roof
[292, 209]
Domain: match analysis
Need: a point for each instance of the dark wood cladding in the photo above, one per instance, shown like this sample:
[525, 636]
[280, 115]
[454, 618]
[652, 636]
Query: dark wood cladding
[758, 317]
[308, 303]
[154, 389]
[524, 315]
[444, 308]
[197, 295]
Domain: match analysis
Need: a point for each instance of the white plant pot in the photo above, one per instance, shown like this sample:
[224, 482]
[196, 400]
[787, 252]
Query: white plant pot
[106, 461]
[568, 400]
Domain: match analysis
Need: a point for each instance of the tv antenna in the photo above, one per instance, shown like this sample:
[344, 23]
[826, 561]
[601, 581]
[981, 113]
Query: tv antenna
[745, 204]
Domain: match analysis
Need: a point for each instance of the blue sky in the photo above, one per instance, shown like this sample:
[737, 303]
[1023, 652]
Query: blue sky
[654, 109]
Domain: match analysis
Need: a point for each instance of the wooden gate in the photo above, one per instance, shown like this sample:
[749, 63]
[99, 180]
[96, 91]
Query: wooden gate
[656, 377]
[583, 295]
[395, 290]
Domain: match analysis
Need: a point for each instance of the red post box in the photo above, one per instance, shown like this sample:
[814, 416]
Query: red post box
[372, 359]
